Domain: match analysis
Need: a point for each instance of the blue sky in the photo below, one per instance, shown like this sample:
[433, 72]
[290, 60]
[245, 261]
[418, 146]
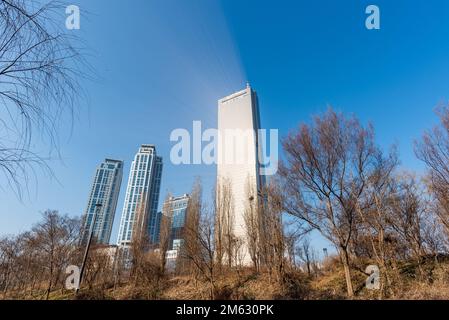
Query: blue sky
[162, 64]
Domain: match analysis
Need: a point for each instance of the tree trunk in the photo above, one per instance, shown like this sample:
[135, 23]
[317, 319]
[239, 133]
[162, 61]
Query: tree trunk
[50, 282]
[345, 260]
[47, 294]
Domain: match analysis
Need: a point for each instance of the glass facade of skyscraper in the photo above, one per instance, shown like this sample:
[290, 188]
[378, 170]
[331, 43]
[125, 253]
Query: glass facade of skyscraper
[178, 211]
[142, 192]
[105, 191]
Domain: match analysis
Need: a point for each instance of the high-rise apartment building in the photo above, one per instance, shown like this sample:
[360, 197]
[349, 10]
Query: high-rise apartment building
[142, 195]
[177, 207]
[238, 169]
[103, 201]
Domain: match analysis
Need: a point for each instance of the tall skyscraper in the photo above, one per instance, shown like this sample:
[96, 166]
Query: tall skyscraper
[178, 211]
[142, 193]
[238, 166]
[105, 191]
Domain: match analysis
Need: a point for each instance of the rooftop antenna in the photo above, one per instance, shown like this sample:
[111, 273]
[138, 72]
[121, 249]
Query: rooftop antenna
[247, 85]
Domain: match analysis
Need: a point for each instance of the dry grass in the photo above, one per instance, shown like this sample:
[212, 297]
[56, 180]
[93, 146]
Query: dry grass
[430, 281]
[238, 286]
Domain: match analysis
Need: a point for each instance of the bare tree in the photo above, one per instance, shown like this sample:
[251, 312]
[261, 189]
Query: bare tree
[290, 243]
[40, 65]
[224, 223]
[433, 233]
[305, 253]
[140, 243]
[272, 239]
[374, 236]
[147, 265]
[20, 264]
[9, 252]
[54, 238]
[408, 215]
[219, 232]
[190, 233]
[253, 224]
[165, 231]
[199, 236]
[327, 168]
[99, 268]
[433, 150]
[295, 234]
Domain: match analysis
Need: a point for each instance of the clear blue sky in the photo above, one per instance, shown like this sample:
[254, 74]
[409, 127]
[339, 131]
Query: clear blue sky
[162, 64]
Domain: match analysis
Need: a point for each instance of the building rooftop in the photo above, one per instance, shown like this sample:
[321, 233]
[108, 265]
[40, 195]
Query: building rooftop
[184, 196]
[113, 160]
[236, 94]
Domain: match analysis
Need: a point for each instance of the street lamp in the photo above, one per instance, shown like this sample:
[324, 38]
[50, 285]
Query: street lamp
[89, 241]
